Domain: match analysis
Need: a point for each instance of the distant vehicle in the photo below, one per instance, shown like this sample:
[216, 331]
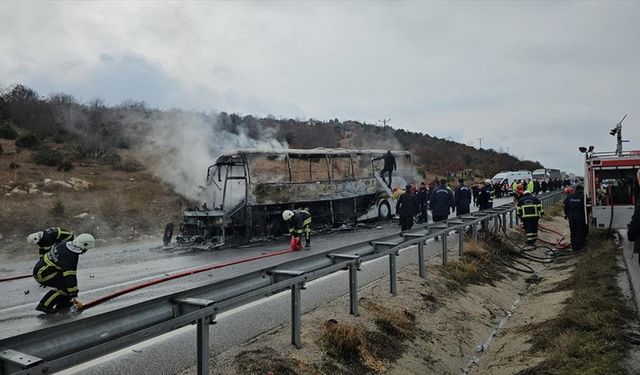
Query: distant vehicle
[510, 176]
[247, 190]
[546, 174]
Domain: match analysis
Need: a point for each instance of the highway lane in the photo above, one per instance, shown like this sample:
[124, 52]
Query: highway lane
[108, 269]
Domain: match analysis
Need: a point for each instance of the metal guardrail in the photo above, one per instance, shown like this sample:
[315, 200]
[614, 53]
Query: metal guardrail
[71, 343]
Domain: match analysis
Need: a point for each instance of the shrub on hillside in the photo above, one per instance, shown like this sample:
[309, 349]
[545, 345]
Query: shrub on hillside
[65, 166]
[45, 155]
[58, 209]
[127, 165]
[27, 141]
[7, 131]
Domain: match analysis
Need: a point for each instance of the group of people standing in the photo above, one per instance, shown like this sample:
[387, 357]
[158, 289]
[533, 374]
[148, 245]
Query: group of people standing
[441, 200]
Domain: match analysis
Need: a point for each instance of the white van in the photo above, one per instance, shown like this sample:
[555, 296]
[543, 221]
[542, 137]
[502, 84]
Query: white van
[510, 176]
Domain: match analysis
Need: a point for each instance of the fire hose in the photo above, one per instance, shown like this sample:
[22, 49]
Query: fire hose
[166, 278]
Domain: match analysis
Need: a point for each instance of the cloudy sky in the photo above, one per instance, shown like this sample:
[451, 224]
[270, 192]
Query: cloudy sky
[536, 79]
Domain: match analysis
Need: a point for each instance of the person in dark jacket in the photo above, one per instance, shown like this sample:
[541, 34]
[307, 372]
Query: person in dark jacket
[46, 239]
[389, 166]
[299, 223]
[441, 202]
[474, 191]
[574, 212]
[633, 229]
[529, 209]
[462, 198]
[485, 196]
[423, 201]
[57, 269]
[406, 208]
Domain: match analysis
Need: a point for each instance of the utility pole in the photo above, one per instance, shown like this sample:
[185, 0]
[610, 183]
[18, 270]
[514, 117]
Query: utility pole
[480, 139]
[385, 121]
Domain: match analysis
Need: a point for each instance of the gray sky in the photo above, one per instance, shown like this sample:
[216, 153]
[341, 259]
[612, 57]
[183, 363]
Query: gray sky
[536, 79]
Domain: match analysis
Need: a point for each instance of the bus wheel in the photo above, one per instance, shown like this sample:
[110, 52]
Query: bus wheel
[384, 210]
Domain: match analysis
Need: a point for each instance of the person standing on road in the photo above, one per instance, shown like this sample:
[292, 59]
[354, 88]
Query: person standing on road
[633, 229]
[462, 198]
[530, 210]
[441, 202]
[46, 239]
[407, 207]
[423, 201]
[574, 212]
[57, 269]
[299, 223]
[389, 166]
[485, 196]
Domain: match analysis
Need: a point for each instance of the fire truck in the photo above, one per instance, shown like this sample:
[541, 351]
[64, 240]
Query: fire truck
[611, 185]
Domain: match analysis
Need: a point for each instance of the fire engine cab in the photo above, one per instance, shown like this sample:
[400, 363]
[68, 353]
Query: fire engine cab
[611, 187]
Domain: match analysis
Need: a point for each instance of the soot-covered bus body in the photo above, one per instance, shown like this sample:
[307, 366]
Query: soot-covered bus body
[247, 190]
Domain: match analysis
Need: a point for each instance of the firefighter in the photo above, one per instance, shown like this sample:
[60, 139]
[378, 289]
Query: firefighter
[485, 196]
[389, 166]
[529, 209]
[49, 237]
[423, 201]
[57, 269]
[441, 202]
[407, 207]
[574, 212]
[299, 222]
[462, 198]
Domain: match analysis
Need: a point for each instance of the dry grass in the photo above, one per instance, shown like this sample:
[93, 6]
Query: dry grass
[399, 323]
[589, 336]
[348, 342]
[555, 210]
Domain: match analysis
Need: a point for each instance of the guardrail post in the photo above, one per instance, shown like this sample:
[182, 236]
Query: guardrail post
[421, 268]
[295, 316]
[444, 248]
[353, 289]
[392, 274]
[203, 346]
[511, 219]
[474, 231]
[504, 222]
[461, 241]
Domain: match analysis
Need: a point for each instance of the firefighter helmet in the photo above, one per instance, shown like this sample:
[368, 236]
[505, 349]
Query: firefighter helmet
[34, 238]
[85, 241]
[487, 182]
[287, 215]
[526, 192]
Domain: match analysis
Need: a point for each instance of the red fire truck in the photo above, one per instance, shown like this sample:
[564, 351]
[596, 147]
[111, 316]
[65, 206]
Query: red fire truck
[611, 186]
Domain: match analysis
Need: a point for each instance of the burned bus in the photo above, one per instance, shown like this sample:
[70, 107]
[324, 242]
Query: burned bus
[247, 190]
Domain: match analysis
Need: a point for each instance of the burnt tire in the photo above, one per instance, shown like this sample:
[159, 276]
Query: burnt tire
[384, 210]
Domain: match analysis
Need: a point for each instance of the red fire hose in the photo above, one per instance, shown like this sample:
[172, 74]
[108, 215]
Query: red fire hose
[14, 278]
[178, 275]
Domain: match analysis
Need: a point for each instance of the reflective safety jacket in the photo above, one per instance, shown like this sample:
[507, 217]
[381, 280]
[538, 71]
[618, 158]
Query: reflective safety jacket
[299, 223]
[530, 186]
[52, 236]
[529, 207]
[60, 260]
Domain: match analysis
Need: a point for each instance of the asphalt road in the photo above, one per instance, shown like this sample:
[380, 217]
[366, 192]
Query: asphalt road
[108, 269]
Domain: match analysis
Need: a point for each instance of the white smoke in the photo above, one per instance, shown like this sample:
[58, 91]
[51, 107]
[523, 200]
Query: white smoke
[178, 147]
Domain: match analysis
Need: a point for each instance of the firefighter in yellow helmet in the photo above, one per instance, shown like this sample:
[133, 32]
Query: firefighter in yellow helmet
[529, 209]
[299, 222]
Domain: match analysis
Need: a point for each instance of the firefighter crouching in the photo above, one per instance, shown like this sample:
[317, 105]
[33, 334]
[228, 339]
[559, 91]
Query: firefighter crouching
[57, 269]
[530, 210]
[49, 237]
[299, 222]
